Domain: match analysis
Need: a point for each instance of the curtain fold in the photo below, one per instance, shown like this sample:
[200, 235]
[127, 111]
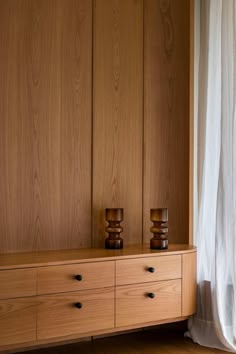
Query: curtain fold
[215, 236]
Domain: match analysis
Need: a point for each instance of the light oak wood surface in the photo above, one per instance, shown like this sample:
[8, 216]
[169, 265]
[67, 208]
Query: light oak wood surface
[166, 114]
[137, 270]
[134, 306]
[38, 259]
[189, 284]
[17, 320]
[94, 104]
[17, 283]
[62, 278]
[58, 316]
[93, 119]
[45, 124]
[118, 116]
[56, 319]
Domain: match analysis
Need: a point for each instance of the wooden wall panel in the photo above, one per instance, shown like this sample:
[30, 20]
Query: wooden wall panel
[45, 124]
[46, 127]
[118, 115]
[166, 113]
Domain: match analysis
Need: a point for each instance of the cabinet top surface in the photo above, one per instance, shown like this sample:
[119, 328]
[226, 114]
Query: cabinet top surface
[83, 255]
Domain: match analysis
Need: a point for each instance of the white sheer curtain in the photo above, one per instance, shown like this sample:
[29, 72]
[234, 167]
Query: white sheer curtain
[215, 232]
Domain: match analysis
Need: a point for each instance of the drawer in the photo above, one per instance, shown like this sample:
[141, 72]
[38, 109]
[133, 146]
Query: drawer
[148, 269]
[17, 320]
[75, 313]
[17, 283]
[142, 303]
[75, 277]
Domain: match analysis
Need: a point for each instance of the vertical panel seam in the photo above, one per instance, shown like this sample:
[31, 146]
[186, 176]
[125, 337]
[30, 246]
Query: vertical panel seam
[143, 126]
[92, 116]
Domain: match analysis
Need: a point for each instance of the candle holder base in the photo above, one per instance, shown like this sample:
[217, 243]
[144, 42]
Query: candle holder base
[114, 243]
[158, 244]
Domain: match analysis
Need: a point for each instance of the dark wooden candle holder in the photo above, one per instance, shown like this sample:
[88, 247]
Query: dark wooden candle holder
[114, 216]
[159, 217]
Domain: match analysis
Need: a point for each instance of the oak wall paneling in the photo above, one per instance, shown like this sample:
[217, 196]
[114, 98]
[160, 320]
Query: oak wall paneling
[45, 124]
[166, 114]
[118, 115]
[95, 98]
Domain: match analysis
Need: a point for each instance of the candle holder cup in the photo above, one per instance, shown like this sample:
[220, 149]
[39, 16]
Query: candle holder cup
[114, 216]
[159, 217]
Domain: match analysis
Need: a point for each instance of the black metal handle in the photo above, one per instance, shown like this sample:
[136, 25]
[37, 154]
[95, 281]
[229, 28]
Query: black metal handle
[78, 277]
[151, 269]
[151, 295]
[78, 305]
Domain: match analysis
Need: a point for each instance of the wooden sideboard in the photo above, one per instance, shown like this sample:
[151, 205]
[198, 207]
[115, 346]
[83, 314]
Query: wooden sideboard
[55, 296]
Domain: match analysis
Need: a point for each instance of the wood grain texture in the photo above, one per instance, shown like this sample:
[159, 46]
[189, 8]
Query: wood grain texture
[134, 305]
[189, 284]
[166, 114]
[17, 320]
[85, 255]
[45, 124]
[17, 283]
[133, 271]
[60, 278]
[56, 318]
[57, 315]
[118, 115]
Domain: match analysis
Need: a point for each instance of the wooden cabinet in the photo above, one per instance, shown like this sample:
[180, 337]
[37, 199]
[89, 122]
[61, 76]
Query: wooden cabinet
[59, 295]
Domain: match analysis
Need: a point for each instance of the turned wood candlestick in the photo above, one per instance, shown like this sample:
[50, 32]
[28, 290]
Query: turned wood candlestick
[114, 216]
[159, 217]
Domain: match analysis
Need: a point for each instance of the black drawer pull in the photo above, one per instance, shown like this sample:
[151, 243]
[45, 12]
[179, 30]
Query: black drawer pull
[151, 269]
[78, 277]
[78, 305]
[151, 295]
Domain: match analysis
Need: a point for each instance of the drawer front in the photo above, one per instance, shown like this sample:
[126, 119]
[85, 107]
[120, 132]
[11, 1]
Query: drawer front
[56, 279]
[17, 321]
[75, 313]
[17, 283]
[139, 270]
[148, 302]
